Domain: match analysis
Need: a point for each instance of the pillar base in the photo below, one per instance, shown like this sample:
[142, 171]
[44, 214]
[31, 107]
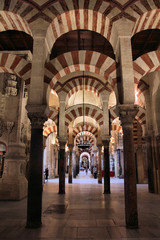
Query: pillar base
[99, 181]
[132, 227]
[14, 184]
[106, 192]
[61, 192]
[13, 190]
[70, 179]
[33, 224]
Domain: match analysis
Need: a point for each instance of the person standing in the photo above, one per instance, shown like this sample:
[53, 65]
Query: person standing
[46, 173]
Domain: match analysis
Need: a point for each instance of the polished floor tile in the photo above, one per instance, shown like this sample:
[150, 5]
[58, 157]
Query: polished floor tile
[84, 212]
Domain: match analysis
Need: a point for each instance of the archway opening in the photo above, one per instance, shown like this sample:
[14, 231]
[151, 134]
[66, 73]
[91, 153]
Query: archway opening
[82, 40]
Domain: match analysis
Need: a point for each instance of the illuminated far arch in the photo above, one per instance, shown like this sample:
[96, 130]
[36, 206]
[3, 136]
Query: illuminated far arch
[79, 61]
[88, 136]
[89, 111]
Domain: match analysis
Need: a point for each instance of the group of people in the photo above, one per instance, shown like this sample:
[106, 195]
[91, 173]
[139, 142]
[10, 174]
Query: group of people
[46, 172]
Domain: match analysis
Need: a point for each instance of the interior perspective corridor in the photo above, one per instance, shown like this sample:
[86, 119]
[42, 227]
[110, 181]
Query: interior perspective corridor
[84, 212]
[79, 119]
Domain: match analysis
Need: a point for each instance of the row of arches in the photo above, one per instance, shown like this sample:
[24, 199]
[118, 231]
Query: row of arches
[115, 80]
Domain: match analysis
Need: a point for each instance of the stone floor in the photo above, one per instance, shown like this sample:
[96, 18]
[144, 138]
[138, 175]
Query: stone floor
[83, 213]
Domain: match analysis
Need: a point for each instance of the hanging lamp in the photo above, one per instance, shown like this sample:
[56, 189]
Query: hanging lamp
[84, 144]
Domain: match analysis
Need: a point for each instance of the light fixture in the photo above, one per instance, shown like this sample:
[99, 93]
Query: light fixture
[83, 144]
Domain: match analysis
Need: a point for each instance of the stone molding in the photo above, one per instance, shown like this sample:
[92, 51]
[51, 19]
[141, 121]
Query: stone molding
[99, 146]
[1, 127]
[11, 88]
[37, 120]
[38, 115]
[62, 142]
[9, 126]
[127, 114]
[106, 140]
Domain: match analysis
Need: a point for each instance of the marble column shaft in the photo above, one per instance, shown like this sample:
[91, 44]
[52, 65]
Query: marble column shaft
[150, 164]
[62, 167]
[34, 204]
[70, 164]
[106, 167]
[158, 160]
[127, 114]
[99, 165]
[74, 164]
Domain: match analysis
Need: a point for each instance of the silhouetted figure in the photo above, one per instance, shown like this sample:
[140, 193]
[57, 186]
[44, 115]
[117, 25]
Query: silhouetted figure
[46, 173]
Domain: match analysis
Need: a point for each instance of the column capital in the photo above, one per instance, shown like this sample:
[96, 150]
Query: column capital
[62, 142]
[70, 147]
[37, 114]
[105, 138]
[99, 146]
[127, 114]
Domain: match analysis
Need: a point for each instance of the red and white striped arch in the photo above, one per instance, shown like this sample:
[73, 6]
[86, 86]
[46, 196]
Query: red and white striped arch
[75, 84]
[83, 60]
[53, 114]
[78, 19]
[149, 20]
[89, 110]
[50, 129]
[113, 113]
[117, 128]
[140, 115]
[141, 87]
[87, 127]
[86, 136]
[12, 21]
[16, 65]
[146, 63]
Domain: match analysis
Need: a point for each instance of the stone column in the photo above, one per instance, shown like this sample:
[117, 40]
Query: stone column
[56, 160]
[158, 162]
[62, 166]
[62, 141]
[92, 162]
[95, 158]
[77, 164]
[148, 140]
[106, 166]
[74, 164]
[52, 162]
[127, 114]
[124, 57]
[99, 164]
[13, 185]
[70, 164]
[119, 163]
[36, 88]
[34, 204]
